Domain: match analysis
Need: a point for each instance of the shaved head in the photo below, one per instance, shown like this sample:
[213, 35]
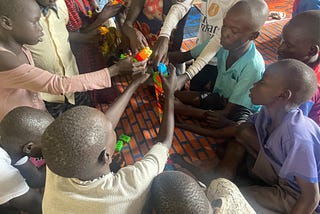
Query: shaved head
[307, 25]
[11, 8]
[24, 123]
[175, 192]
[298, 77]
[75, 142]
[255, 11]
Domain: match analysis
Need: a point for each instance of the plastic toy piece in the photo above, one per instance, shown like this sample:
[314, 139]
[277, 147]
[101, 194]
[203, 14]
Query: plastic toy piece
[119, 145]
[125, 138]
[162, 68]
[142, 55]
[103, 30]
[115, 2]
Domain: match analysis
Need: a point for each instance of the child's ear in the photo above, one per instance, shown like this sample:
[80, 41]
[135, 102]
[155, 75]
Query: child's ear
[32, 149]
[254, 35]
[314, 50]
[286, 95]
[104, 157]
[6, 23]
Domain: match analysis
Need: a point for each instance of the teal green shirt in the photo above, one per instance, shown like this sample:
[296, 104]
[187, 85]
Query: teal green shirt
[234, 83]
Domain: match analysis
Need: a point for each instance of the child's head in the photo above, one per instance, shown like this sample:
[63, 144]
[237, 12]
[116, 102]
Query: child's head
[79, 144]
[301, 37]
[242, 23]
[175, 192]
[20, 21]
[21, 130]
[287, 82]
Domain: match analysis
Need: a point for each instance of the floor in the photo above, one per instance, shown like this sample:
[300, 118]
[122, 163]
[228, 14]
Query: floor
[141, 122]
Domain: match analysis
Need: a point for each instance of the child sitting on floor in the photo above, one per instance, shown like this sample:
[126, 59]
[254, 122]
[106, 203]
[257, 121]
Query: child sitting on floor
[78, 147]
[20, 80]
[175, 192]
[285, 143]
[239, 66]
[20, 134]
[301, 41]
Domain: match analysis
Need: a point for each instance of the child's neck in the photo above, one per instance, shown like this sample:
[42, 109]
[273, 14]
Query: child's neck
[277, 115]
[236, 53]
[97, 174]
[11, 45]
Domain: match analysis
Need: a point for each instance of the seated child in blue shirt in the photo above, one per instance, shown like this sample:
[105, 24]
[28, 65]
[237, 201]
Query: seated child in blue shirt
[240, 65]
[284, 142]
[20, 133]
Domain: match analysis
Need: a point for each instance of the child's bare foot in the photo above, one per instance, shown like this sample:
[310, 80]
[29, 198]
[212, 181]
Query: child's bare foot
[203, 174]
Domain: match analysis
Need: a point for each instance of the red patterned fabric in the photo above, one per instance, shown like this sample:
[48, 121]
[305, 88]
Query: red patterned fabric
[88, 56]
[74, 10]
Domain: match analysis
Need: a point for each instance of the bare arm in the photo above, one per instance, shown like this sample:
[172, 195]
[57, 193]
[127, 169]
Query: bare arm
[107, 12]
[165, 134]
[218, 119]
[179, 57]
[117, 108]
[29, 202]
[308, 199]
[227, 132]
[137, 40]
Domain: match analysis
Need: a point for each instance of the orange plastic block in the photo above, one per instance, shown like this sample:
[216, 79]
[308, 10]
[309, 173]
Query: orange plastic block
[143, 54]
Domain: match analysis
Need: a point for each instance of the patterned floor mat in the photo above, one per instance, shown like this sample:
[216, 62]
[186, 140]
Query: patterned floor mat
[140, 120]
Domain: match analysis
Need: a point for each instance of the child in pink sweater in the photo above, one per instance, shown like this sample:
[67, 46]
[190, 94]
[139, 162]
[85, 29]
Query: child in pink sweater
[20, 80]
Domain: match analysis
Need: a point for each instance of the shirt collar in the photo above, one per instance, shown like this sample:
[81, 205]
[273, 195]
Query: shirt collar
[45, 9]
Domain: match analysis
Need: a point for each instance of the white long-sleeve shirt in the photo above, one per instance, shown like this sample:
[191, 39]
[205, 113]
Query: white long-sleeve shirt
[213, 12]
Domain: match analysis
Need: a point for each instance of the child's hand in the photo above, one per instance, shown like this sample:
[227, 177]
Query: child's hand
[127, 66]
[216, 119]
[159, 51]
[110, 10]
[170, 82]
[141, 78]
[137, 41]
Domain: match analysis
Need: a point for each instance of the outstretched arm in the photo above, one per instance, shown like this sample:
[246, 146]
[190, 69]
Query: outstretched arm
[13, 74]
[165, 134]
[137, 40]
[227, 132]
[115, 111]
[175, 14]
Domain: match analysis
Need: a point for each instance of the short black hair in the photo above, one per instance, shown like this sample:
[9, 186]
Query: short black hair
[24, 123]
[299, 78]
[10, 8]
[307, 23]
[74, 141]
[175, 192]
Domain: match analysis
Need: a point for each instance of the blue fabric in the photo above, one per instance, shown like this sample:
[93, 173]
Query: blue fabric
[306, 107]
[196, 51]
[235, 82]
[304, 5]
[102, 3]
[293, 148]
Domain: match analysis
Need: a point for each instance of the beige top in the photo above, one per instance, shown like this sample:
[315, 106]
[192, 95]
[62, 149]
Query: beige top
[54, 53]
[229, 194]
[120, 193]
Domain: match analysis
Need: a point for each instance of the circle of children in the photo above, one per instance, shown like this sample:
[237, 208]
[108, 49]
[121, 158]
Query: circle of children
[268, 116]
